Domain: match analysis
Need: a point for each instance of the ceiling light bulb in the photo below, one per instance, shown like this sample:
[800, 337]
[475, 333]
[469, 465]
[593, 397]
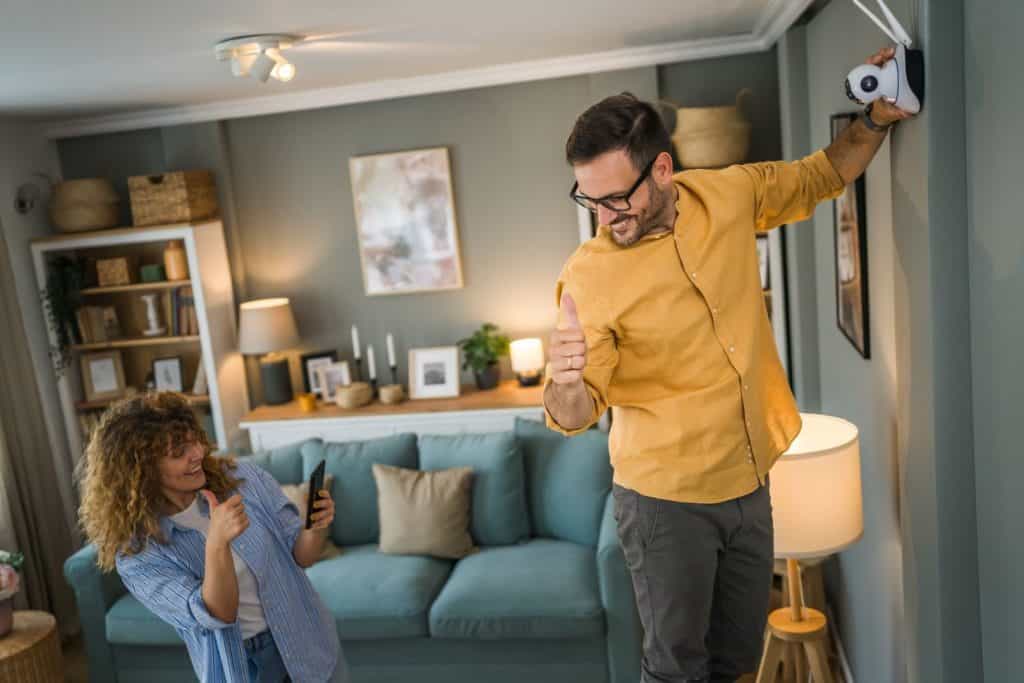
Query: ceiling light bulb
[262, 67]
[284, 72]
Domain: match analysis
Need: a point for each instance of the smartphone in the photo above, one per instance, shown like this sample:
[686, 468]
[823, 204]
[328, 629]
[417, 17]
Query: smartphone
[316, 482]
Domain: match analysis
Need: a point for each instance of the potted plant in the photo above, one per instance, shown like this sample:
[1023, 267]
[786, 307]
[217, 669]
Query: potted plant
[10, 563]
[62, 297]
[481, 352]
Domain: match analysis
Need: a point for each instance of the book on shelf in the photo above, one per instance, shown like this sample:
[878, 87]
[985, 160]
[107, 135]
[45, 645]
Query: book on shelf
[185, 322]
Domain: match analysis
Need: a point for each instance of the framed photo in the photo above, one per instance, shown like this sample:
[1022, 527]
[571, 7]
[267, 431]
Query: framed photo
[405, 222]
[167, 374]
[434, 372]
[851, 245]
[102, 375]
[311, 363]
[332, 376]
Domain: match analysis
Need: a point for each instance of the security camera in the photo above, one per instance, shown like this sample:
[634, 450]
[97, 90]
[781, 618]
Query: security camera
[900, 81]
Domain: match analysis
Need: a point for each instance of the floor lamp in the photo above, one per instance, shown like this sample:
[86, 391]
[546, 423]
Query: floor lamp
[816, 504]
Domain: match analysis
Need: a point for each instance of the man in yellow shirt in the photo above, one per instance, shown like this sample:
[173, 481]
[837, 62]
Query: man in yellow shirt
[662, 319]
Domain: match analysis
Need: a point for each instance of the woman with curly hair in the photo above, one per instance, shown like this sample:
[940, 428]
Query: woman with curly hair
[209, 545]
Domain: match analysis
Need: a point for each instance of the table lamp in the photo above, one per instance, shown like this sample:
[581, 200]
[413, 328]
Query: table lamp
[267, 326]
[527, 360]
[817, 509]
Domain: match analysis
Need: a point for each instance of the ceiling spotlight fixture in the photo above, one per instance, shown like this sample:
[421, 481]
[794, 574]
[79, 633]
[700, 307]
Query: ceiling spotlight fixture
[258, 56]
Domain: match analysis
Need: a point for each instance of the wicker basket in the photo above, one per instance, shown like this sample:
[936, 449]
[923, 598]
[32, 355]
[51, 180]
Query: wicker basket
[712, 137]
[179, 197]
[86, 204]
[355, 395]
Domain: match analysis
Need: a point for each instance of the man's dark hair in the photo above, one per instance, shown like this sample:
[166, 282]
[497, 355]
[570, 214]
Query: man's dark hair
[618, 122]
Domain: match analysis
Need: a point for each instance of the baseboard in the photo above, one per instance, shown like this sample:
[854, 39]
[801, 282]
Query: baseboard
[834, 631]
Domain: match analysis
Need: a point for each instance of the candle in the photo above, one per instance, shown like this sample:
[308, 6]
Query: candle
[369, 360]
[355, 342]
[346, 378]
[391, 351]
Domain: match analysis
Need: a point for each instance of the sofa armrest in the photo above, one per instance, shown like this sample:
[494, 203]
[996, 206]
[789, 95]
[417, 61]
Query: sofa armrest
[95, 592]
[624, 631]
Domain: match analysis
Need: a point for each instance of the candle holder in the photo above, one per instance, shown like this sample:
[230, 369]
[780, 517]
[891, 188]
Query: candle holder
[394, 374]
[391, 394]
[355, 395]
[358, 373]
[373, 387]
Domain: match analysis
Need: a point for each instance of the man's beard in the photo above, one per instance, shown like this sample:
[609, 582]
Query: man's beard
[653, 217]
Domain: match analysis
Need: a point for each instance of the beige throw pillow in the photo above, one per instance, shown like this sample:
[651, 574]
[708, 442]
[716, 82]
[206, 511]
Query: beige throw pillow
[299, 494]
[424, 513]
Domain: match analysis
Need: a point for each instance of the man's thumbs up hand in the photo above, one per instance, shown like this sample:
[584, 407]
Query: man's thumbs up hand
[567, 351]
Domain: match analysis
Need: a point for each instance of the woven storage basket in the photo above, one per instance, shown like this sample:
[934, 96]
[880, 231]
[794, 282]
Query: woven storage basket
[179, 197]
[712, 137]
[354, 395]
[86, 204]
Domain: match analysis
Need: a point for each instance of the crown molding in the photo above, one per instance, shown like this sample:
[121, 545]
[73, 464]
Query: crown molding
[778, 16]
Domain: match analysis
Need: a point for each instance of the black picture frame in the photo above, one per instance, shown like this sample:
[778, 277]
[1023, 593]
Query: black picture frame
[308, 378]
[850, 232]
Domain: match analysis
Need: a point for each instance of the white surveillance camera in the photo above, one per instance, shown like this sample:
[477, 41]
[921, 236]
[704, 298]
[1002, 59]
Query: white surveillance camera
[900, 81]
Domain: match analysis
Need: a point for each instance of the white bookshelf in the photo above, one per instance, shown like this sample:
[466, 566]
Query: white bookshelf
[210, 278]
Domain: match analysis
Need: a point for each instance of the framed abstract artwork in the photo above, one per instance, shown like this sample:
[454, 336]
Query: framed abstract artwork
[405, 222]
[851, 247]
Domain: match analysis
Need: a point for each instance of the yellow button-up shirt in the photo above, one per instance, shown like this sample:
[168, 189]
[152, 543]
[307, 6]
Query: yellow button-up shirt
[678, 338]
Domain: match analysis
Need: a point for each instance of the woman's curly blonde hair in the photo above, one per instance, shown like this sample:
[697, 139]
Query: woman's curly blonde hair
[122, 500]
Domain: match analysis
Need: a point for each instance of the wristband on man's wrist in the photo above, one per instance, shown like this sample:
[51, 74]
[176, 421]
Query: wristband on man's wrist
[865, 116]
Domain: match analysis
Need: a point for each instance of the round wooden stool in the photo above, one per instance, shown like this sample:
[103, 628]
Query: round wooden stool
[30, 653]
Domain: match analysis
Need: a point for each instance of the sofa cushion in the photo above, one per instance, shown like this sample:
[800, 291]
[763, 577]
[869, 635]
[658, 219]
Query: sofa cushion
[283, 462]
[424, 513]
[373, 595]
[354, 490]
[499, 492]
[540, 589]
[129, 623]
[567, 481]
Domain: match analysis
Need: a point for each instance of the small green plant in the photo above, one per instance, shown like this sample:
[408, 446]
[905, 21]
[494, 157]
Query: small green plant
[61, 299]
[483, 348]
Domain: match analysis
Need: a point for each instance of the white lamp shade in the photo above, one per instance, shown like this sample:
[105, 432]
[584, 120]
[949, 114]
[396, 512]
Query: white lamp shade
[816, 490]
[265, 326]
[527, 355]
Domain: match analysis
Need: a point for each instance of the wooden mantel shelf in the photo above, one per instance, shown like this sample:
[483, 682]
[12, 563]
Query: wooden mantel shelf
[508, 395]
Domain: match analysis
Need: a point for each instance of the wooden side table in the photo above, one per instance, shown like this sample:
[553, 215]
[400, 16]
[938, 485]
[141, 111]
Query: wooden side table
[30, 653]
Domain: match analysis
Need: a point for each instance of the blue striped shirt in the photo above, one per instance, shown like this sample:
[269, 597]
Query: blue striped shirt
[168, 578]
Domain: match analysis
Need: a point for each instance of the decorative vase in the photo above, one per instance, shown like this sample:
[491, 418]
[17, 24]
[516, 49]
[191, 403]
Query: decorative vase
[175, 262]
[488, 377]
[6, 615]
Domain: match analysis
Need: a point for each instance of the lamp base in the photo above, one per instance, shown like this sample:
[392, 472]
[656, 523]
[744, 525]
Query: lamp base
[528, 379]
[276, 380]
[807, 635]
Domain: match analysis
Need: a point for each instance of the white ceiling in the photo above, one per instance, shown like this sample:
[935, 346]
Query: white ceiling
[109, 64]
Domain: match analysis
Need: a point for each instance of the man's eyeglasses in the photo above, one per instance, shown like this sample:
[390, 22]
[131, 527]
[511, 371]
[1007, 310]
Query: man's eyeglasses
[613, 202]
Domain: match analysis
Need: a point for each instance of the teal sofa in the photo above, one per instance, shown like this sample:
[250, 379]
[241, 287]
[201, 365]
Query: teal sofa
[547, 599]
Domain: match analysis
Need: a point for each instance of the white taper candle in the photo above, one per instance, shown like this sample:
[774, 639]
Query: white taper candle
[391, 351]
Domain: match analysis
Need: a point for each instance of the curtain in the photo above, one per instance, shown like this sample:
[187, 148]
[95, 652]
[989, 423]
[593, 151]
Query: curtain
[28, 475]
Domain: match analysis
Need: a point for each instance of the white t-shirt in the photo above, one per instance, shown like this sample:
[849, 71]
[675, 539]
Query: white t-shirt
[250, 610]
